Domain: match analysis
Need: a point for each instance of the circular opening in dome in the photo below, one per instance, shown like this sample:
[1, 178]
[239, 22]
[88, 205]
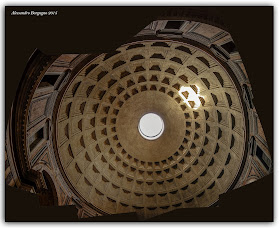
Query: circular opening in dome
[151, 126]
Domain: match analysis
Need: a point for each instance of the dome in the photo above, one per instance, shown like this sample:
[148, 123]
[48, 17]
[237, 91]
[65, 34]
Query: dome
[196, 158]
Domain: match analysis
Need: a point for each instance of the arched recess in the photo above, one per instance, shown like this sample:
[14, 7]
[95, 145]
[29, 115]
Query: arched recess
[48, 197]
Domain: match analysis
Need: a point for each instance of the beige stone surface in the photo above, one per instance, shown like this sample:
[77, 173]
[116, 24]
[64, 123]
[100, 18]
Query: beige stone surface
[37, 108]
[130, 115]
[197, 157]
[207, 30]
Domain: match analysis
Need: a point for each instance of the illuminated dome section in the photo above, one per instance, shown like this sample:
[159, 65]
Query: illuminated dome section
[196, 158]
[151, 126]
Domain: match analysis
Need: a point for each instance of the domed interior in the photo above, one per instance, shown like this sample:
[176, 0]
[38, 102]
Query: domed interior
[193, 155]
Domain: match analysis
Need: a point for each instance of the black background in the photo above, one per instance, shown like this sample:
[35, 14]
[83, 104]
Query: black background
[103, 29]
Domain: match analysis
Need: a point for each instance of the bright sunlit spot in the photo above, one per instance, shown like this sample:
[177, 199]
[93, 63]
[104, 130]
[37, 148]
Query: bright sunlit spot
[190, 97]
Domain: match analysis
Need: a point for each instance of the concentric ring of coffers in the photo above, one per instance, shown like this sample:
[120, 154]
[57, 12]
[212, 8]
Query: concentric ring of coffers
[205, 156]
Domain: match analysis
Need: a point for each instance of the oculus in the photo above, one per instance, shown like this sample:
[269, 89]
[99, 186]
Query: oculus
[151, 126]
